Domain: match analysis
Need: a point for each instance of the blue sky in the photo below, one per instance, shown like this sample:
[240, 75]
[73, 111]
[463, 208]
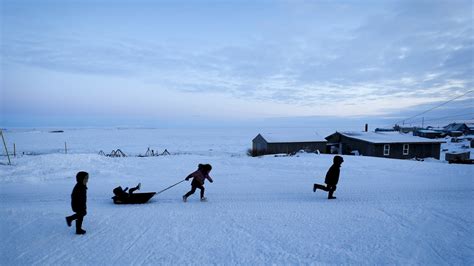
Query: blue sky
[145, 62]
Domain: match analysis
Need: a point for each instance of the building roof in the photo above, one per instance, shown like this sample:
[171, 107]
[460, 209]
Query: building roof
[459, 126]
[453, 126]
[429, 131]
[292, 137]
[388, 137]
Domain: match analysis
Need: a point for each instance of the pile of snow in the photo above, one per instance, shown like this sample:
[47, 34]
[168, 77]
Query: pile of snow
[286, 137]
[460, 145]
[260, 210]
[389, 137]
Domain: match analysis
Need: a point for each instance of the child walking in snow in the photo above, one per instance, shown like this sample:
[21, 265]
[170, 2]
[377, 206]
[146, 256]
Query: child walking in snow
[332, 177]
[199, 176]
[78, 202]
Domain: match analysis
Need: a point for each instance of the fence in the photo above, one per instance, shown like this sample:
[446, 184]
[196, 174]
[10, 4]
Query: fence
[114, 153]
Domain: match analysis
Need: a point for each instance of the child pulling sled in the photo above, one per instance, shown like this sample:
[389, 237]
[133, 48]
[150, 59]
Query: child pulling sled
[199, 176]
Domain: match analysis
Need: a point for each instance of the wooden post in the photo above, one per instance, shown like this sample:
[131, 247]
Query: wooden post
[65, 147]
[5, 145]
[14, 150]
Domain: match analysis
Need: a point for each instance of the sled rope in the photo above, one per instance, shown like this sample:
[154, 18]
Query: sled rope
[171, 186]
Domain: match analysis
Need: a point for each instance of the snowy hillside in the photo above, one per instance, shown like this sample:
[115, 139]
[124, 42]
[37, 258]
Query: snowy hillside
[260, 210]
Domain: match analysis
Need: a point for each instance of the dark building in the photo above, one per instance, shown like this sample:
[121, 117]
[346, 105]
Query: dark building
[454, 133]
[384, 144]
[430, 134]
[277, 143]
[458, 156]
[384, 130]
[457, 129]
[404, 129]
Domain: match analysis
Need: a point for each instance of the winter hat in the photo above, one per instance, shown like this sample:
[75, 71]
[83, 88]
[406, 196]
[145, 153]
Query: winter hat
[80, 176]
[207, 167]
[338, 159]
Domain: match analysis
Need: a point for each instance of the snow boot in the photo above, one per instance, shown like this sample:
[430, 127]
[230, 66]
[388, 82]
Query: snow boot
[69, 221]
[203, 199]
[185, 198]
[79, 230]
[318, 186]
[330, 194]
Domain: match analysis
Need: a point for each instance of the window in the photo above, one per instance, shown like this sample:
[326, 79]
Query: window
[406, 149]
[386, 149]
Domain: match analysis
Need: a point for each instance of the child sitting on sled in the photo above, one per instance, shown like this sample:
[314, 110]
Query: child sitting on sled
[122, 197]
[122, 193]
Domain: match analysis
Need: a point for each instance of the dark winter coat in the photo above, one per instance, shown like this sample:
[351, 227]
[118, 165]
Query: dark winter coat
[332, 176]
[79, 198]
[199, 176]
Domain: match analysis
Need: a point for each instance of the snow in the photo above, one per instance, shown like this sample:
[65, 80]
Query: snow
[260, 211]
[427, 131]
[461, 145]
[389, 137]
[281, 137]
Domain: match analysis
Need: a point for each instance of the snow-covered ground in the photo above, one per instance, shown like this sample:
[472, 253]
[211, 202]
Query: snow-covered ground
[260, 210]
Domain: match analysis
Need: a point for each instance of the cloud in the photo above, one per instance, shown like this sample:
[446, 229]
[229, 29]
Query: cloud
[308, 54]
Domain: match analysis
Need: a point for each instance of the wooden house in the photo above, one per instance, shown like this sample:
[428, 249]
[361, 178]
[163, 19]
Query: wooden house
[384, 144]
[458, 129]
[430, 134]
[272, 143]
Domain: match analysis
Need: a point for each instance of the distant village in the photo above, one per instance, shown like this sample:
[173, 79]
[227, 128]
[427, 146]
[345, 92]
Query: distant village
[399, 142]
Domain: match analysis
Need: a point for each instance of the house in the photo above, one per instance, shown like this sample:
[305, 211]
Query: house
[384, 129]
[428, 133]
[457, 129]
[455, 133]
[384, 144]
[458, 157]
[273, 143]
[405, 129]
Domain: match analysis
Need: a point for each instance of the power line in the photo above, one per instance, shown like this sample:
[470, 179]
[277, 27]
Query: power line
[437, 106]
[442, 118]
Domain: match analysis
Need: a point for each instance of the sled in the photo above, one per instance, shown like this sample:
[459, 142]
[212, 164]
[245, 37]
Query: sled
[135, 198]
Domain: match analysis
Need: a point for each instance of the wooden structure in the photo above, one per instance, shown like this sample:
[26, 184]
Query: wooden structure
[459, 157]
[452, 156]
[430, 134]
[458, 129]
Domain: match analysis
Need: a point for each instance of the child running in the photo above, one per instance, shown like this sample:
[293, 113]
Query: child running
[199, 176]
[332, 177]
